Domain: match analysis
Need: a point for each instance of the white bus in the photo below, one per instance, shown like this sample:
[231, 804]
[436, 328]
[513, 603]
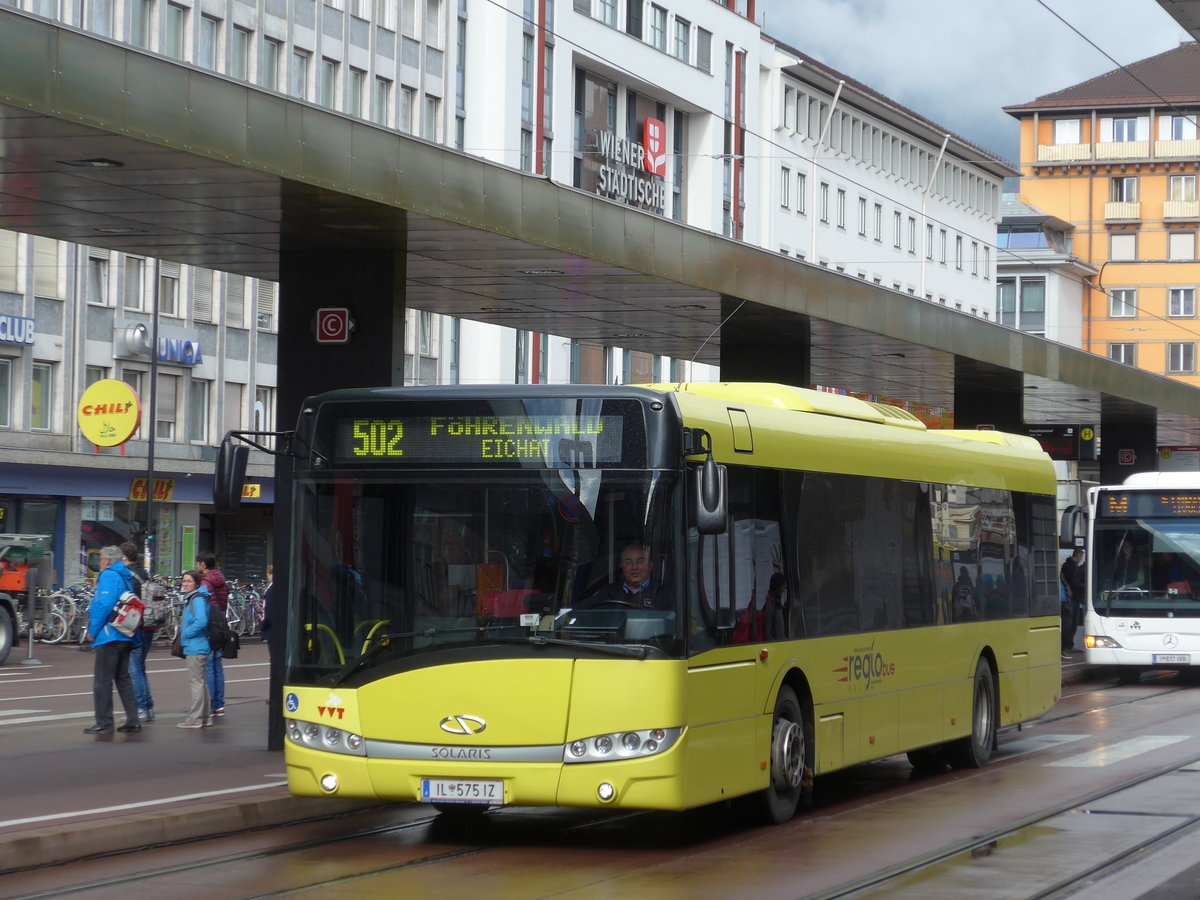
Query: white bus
[1143, 545]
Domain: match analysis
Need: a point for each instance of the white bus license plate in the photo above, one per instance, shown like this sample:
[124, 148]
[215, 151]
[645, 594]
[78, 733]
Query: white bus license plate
[1163, 659]
[451, 790]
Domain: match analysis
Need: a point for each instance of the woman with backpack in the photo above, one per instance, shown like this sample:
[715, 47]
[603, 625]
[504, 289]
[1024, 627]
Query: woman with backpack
[141, 640]
[194, 638]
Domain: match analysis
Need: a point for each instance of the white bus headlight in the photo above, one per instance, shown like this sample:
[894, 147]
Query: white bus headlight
[325, 737]
[622, 745]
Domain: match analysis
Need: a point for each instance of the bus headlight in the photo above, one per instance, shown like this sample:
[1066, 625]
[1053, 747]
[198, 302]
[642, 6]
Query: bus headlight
[621, 745]
[1093, 641]
[325, 737]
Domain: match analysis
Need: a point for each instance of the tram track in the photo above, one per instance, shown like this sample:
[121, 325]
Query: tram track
[916, 873]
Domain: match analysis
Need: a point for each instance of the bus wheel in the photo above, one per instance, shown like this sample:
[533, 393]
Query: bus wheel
[789, 758]
[974, 751]
[928, 759]
[6, 634]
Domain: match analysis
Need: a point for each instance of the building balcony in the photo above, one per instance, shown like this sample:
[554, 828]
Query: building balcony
[1063, 152]
[1123, 150]
[1181, 209]
[1176, 148]
[1122, 210]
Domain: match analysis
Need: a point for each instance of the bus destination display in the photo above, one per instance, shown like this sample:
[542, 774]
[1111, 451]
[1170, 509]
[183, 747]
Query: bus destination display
[1149, 504]
[540, 440]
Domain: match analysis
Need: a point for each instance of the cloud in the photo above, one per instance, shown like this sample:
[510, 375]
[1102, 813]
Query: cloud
[958, 62]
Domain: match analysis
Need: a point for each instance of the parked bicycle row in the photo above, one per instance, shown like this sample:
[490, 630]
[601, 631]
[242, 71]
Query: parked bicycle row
[61, 614]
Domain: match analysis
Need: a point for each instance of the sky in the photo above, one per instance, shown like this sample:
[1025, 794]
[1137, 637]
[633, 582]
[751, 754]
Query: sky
[958, 62]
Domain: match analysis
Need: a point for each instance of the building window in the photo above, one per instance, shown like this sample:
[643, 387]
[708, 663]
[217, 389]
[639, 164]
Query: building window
[268, 75]
[928, 241]
[135, 281]
[987, 262]
[958, 252]
[1122, 246]
[785, 187]
[1123, 189]
[683, 35]
[168, 289]
[1122, 303]
[1181, 358]
[862, 216]
[384, 15]
[1182, 188]
[354, 92]
[1066, 131]
[166, 407]
[1181, 245]
[824, 202]
[1177, 128]
[174, 31]
[912, 235]
[329, 83]
[801, 193]
[607, 12]
[141, 14]
[897, 220]
[1181, 302]
[658, 28]
[380, 99]
[264, 409]
[431, 125]
[841, 208]
[198, 411]
[97, 281]
[942, 246]
[878, 223]
[6, 382]
[1124, 129]
[1123, 353]
[526, 150]
[210, 37]
[1021, 303]
[41, 396]
[239, 54]
[974, 257]
[298, 82]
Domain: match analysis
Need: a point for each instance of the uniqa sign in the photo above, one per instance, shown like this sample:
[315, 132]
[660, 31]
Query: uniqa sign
[109, 412]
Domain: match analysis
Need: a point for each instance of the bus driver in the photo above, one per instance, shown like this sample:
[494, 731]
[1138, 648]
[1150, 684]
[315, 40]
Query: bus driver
[634, 588]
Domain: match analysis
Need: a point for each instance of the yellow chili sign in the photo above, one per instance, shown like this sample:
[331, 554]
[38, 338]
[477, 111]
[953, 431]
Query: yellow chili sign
[109, 412]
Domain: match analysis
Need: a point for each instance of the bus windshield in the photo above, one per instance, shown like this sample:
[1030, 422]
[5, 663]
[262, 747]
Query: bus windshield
[1147, 567]
[393, 567]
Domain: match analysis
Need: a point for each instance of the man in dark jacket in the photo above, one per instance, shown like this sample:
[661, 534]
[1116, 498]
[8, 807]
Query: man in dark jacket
[1074, 579]
[112, 648]
[218, 590]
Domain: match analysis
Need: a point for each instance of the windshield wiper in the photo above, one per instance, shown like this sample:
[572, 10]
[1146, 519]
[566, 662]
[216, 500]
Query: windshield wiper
[382, 641]
[634, 651]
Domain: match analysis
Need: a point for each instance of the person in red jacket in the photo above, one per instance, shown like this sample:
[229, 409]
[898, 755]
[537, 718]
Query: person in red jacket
[218, 590]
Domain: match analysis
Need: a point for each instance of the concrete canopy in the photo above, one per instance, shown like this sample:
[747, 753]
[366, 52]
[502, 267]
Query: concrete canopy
[106, 145]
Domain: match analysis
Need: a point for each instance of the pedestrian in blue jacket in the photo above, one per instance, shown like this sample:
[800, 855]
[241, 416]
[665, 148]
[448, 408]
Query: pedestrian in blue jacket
[194, 639]
[112, 648]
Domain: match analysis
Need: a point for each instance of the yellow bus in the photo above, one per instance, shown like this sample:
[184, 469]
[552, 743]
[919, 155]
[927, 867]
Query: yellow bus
[653, 597]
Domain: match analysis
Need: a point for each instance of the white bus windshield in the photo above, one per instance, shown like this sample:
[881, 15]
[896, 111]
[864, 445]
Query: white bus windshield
[1147, 567]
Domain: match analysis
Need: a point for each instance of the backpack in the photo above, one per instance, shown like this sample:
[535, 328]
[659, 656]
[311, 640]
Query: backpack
[232, 646]
[218, 628]
[127, 614]
[154, 598]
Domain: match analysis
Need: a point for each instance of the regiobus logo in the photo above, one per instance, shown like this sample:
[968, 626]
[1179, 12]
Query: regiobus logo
[865, 667]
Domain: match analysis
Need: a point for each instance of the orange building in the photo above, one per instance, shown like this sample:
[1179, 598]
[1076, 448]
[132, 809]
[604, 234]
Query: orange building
[1117, 157]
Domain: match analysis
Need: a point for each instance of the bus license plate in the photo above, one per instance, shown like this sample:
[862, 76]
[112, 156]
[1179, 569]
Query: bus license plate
[452, 790]
[1163, 659]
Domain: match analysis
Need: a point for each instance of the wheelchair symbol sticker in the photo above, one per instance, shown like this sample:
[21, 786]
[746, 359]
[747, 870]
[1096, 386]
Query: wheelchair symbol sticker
[292, 703]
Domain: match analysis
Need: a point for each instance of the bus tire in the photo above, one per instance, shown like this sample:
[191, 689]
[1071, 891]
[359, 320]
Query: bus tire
[789, 761]
[6, 634]
[928, 759]
[973, 751]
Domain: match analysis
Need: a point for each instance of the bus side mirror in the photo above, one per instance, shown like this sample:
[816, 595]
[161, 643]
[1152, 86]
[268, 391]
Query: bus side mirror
[1072, 531]
[230, 476]
[709, 500]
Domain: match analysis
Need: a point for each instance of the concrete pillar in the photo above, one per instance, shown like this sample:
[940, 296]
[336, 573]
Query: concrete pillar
[1127, 445]
[763, 344]
[370, 282]
[988, 395]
